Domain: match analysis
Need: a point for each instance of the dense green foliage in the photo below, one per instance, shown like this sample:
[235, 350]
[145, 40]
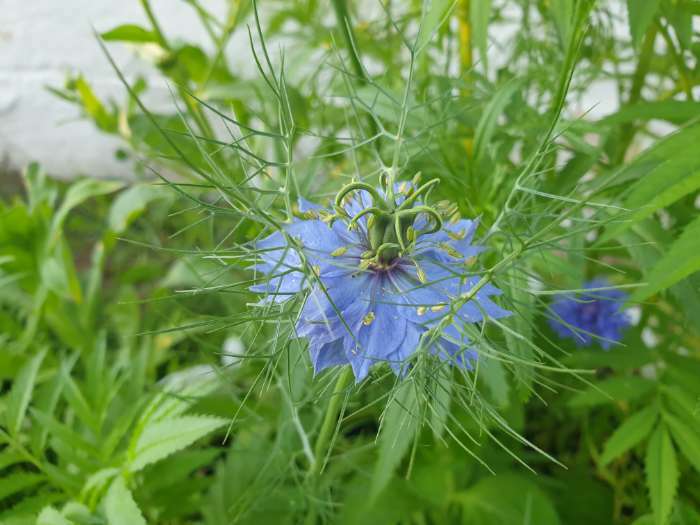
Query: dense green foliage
[140, 383]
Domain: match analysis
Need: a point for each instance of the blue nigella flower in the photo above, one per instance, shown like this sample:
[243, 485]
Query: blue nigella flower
[384, 270]
[595, 315]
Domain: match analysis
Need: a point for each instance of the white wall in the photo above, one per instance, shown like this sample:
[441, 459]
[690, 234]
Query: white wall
[42, 40]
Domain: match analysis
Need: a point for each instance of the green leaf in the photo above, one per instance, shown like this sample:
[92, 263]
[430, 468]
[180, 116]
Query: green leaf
[681, 259]
[132, 202]
[78, 193]
[494, 376]
[479, 14]
[661, 474]
[563, 14]
[50, 516]
[129, 33]
[630, 433]
[120, 507]
[670, 182]
[686, 438]
[487, 123]
[506, 499]
[94, 107]
[611, 391]
[674, 111]
[21, 393]
[14, 483]
[163, 438]
[434, 14]
[521, 324]
[641, 14]
[396, 434]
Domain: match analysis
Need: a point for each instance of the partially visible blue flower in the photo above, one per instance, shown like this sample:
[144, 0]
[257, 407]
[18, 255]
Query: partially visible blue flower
[595, 315]
[370, 300]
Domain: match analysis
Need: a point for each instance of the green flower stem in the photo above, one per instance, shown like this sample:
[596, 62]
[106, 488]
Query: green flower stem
[330, 421]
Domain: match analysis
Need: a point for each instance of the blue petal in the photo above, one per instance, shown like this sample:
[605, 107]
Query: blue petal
[327, 355]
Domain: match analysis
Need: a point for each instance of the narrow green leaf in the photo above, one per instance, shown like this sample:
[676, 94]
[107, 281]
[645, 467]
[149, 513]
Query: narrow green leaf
[669, 182]
[681, 259]
[78, 193]
[661, 474]
[17, 482]
[487, 123]
[120, 507]
[132, 202]
[480, 12]
[435, 13]
[563, 14]
[686, 438]
[675, 111]
[396, 434]
[129, 33]
[163, 438]
[641, 14]
[21, 393]
[630, 433]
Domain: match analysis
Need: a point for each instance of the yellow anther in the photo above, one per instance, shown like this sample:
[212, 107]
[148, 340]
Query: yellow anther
[458, 235]
[368, 319]
[316, 269]
[421, 310]
[339, 251]
[438, 307]
[450, 250]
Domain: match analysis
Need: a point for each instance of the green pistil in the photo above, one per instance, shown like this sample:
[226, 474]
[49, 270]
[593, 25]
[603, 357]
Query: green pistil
[390, 226]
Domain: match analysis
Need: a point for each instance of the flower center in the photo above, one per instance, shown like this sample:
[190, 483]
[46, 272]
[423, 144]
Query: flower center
[392, 218]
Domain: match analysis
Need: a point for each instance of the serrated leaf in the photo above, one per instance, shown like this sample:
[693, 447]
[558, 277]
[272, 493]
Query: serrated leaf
[396, 434]
[686, 438]
[630, 433]
[21, 393]
[120, 507]
[641, 14]
[661, 474]
[129, 33]
[162, 438]
[681, 259]
[50, 516]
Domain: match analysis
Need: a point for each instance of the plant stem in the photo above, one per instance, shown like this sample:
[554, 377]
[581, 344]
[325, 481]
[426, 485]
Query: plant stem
[330, 420]
[325, 435]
